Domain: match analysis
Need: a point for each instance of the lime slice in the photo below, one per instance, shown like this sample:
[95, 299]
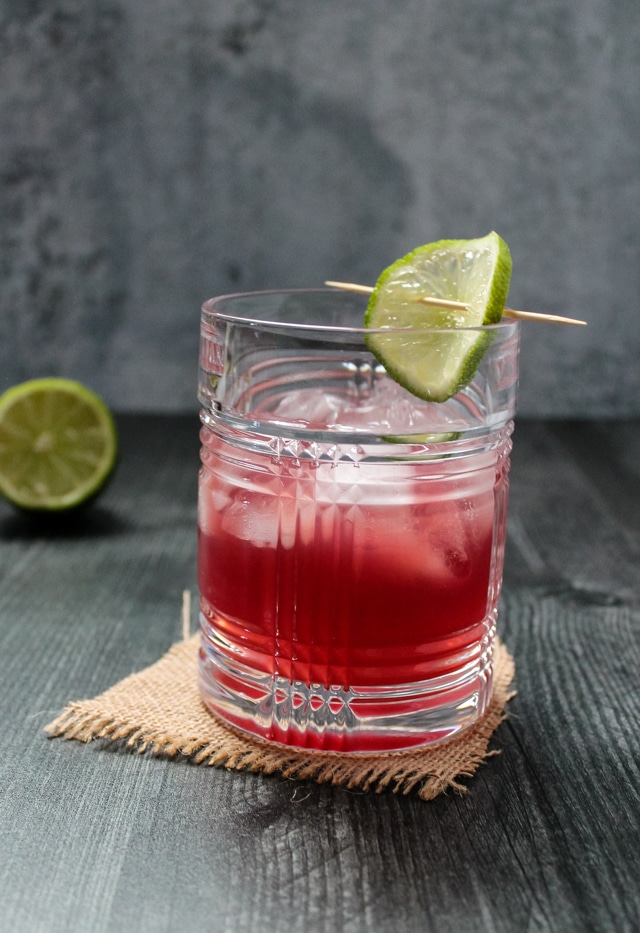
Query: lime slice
[421, 438]
[58, 445]
[434, 365]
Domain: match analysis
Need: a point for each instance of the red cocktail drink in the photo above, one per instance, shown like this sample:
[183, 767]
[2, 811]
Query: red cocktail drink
[349, 573]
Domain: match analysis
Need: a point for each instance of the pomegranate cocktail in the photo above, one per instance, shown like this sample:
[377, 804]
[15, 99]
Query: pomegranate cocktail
[351, 533]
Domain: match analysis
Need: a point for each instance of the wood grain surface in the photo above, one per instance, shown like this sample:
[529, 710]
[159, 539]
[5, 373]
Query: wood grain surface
[547, 838]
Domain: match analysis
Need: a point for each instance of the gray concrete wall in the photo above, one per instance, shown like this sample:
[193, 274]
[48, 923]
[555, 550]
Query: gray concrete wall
[156, 152]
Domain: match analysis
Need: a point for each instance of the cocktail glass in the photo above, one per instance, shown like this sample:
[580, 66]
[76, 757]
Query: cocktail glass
[351, 535]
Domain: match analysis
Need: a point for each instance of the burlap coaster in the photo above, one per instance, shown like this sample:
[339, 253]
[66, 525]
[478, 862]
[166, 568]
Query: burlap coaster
[159, 709]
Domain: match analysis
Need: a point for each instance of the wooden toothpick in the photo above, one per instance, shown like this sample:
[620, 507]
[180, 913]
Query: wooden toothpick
[535, 316]
[351, 287]
[461, 306]
[423, 299]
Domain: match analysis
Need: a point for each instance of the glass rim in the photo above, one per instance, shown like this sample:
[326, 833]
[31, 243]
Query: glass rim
[208, 307]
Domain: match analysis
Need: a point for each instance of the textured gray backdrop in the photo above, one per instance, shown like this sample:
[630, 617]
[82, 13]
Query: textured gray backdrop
[156, 152]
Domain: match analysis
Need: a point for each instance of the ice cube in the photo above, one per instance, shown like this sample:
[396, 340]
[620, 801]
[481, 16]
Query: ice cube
[315, 407]
[385, 409]
[380, 406]
[423, 542]
[453, 539]
[271, 520]
[212, 500]
[252, 517]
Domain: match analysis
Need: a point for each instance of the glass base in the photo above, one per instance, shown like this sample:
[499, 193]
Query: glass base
[351, 719]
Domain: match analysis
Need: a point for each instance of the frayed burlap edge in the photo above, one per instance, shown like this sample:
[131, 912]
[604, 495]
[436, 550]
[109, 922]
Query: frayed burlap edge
[159, 710]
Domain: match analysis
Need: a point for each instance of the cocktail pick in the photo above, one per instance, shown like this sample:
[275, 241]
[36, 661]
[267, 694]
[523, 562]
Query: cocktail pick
[460, 306]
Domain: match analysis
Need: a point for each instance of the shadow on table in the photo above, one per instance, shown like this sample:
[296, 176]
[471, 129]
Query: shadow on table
[94, 522]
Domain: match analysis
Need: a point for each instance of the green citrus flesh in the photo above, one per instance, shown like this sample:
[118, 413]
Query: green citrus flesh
[434, 352]
[421, 438]
[58, 445]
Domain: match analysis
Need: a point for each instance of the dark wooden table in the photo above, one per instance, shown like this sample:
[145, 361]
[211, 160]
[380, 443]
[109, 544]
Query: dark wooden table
[95, 838]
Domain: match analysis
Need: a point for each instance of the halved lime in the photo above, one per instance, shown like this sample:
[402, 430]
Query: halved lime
[435, 364]
[58, 444]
